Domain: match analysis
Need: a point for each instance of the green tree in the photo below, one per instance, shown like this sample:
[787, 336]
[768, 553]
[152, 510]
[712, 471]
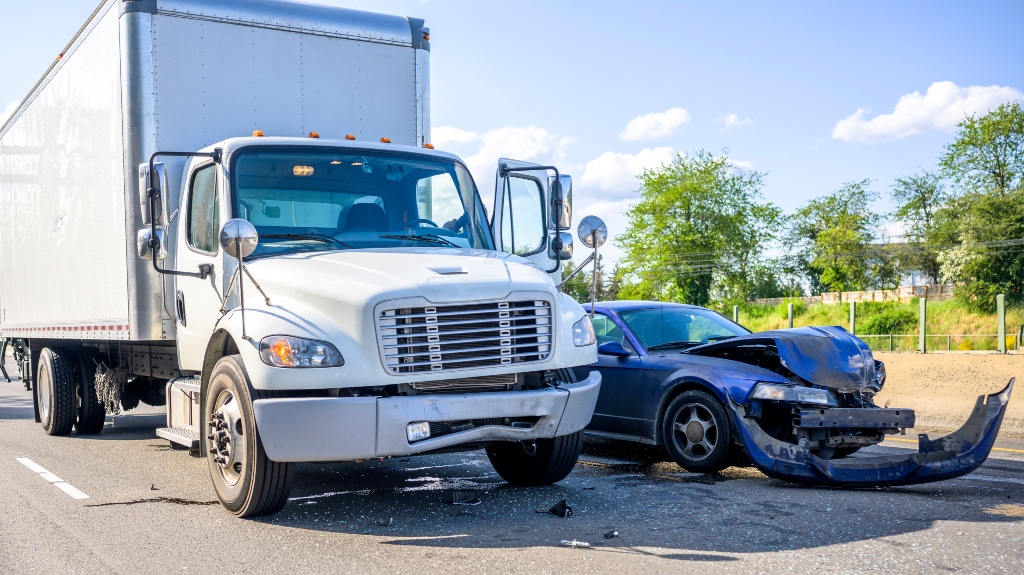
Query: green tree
[988, 152]
[986, 216]
[832, 237]
[918, 200]
[697, 233]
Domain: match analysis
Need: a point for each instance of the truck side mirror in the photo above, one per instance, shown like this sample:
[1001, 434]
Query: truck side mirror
[161, 185]
[238, 237]
[563, 187]
[566, 252]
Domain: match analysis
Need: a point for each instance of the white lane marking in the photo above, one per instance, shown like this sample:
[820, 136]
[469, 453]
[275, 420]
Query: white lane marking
[56, 481]
[977, 477]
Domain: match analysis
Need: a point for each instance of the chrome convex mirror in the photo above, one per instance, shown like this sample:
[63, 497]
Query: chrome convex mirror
[593, 233]
[238, 237]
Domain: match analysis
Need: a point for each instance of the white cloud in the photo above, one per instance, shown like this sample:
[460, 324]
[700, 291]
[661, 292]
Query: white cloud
[447, 136]
[742, 165]
[735, 121]
[8, 111]
[613, 176]
[940, 108]
[655, 125]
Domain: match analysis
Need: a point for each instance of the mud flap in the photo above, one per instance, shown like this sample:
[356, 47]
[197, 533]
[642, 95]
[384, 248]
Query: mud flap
[953, 455]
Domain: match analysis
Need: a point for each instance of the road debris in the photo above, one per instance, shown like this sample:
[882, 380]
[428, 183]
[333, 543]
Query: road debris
[561, 509]
[611, 534]
[462, 498]
[575, 544]
[386, 522]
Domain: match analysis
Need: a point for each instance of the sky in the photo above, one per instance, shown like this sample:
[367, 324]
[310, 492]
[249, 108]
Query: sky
[812, 94]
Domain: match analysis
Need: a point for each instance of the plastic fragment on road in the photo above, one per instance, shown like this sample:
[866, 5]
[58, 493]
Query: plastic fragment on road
[561, 509]
[611, 534]
[463, 498]
[575, 544]
[386, 522]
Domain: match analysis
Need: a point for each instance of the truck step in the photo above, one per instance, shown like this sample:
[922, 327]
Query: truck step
[187, 436]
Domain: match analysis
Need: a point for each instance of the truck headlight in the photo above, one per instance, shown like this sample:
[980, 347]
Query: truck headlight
[583, 332]
[286, 351]
[793, 394]
[417, 431]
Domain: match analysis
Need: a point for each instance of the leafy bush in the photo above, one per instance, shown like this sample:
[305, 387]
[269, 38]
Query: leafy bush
[893, 319]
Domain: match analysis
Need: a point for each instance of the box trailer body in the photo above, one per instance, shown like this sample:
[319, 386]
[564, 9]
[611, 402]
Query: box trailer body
[360, 327]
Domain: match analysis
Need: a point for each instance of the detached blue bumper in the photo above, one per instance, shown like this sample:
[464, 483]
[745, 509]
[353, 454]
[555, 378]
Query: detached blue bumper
[953, 455]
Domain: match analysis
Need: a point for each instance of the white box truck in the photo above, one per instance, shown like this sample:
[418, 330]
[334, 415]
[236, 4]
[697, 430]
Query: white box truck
[232, 208]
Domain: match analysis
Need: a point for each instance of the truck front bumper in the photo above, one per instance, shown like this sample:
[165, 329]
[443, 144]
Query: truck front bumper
[350, 428]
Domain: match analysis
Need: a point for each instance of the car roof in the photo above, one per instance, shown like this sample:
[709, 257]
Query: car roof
[627, 305]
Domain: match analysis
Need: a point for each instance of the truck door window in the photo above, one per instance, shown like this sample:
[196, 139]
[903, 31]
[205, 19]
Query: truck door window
[203, 212]
[522, 223]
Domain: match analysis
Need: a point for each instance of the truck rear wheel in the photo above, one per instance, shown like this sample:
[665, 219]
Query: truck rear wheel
[55, 392]
[247, 482]
[91, 412]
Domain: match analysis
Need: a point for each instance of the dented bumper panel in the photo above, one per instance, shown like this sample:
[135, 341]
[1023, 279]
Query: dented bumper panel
[348, 428]
[947, 457]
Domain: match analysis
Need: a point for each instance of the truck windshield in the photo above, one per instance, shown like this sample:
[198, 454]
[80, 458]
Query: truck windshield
[303, 200]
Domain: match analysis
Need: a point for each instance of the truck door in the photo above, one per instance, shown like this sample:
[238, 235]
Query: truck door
[197, 301]
[522, 222]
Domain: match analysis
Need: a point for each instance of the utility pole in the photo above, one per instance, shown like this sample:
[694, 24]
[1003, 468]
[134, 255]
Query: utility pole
[1001, 321]
[922, 342]
[790, 313]
[853, 317]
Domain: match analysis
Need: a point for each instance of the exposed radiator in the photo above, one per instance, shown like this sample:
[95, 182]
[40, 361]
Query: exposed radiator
[462, 336]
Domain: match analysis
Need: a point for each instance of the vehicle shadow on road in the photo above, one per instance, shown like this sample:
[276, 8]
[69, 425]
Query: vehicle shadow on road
[656, 507]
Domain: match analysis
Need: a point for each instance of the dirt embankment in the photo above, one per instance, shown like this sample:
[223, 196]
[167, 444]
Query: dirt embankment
[942, 388]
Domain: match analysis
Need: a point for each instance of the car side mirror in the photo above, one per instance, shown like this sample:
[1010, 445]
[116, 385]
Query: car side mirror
[613, 348]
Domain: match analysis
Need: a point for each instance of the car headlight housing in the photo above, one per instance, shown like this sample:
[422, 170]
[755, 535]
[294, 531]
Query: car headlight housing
[287, 351]
[794, 394]
[583, 332]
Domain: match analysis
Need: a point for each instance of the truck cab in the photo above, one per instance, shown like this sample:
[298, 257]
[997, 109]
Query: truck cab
[380, 312]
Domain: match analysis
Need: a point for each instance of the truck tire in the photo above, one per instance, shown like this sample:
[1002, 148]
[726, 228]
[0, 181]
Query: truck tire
[247, 482]
[91, 412]
[696, 432]
[551, 461]
[55, 391]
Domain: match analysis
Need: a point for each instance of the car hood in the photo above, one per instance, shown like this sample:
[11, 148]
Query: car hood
[824, 356]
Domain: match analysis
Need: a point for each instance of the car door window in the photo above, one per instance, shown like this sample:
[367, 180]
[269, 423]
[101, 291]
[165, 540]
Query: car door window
[522, 224]
[203, 211]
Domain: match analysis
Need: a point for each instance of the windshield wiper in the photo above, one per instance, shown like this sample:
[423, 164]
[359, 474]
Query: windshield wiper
[712, 338]
[426, 238]
[671, 344]
[308, 236]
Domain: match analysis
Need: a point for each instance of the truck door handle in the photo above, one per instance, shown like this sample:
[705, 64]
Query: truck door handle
[179, 304]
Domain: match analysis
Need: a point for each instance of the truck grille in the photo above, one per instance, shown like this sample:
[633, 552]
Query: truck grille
[503, 382]
[462, 336]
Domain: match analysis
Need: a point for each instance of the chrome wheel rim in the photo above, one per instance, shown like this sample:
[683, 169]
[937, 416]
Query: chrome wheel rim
[695, 431]
[227, 441]
[43, 385]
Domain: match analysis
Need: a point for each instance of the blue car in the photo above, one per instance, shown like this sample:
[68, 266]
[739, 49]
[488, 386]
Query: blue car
[796, 403]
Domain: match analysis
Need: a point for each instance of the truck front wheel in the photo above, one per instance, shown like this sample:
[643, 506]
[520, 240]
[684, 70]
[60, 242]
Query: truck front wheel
[247, 482]
[542, 462]
[55, 392]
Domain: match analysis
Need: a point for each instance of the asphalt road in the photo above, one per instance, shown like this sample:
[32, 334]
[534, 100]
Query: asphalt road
[151, 509]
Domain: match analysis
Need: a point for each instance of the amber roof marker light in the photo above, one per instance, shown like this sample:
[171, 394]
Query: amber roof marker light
[314, 135]
[257, 133]
[349, 137]
[385, 140]
[428, 146]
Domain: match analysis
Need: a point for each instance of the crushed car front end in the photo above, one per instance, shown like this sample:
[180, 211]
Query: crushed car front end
[804, 421]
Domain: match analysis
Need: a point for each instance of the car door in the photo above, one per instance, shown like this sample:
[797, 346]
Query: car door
[197, 301]
[521, 224]
[620, 402]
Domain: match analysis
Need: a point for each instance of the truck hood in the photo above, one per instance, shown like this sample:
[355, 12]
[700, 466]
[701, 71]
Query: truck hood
[438, 274]
[824, 356]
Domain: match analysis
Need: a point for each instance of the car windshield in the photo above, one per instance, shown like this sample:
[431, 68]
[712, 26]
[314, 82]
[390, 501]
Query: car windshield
[318, 200]
[675, 327]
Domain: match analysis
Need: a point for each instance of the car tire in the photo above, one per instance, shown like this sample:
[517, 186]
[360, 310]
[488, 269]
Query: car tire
[55, 391]
[247, 482]
[696, 432]
[91, 413]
